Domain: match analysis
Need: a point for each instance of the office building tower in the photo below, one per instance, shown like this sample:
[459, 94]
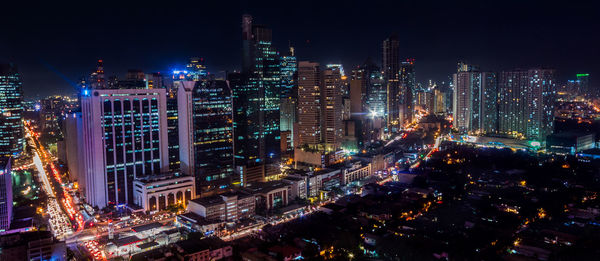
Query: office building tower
[289, 89]
[173, 130]
[309, 104]
[391, 70]
[331, 107]
[407, 87]
[196, 70]
[73, 133]
[358, 93]
[124, 138]
[375, 90]
[97, 80]
[526, 103]
[258, 94]
[206, 134]
[11, 111]
[6, 195]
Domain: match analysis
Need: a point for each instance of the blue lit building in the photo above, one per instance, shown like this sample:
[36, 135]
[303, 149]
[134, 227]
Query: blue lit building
[206, 134]
[124, 138]
[256, 101]
[11, 111]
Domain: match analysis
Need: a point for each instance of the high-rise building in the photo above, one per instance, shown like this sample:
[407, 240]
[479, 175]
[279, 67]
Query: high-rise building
[11, 111]
[6, 194]
[475, 107]
[407, 86]
[173, 130]
[309, 104]
[526, 103]
[97, 80]
[331, 107]
[124, 138]
[257, 95]
[207, 138]
[391, 70]
[289, 90]
[376, 90]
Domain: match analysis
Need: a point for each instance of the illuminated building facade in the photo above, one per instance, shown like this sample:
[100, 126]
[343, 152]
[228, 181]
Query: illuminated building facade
[212, 136]
[11, 111]
[6, 194]
[475, 101]
[289, 74]
[331, 107]
[124, 138]
[391, 69]
[309, 104]
[526, 103]
[257, 95]
[407, 86]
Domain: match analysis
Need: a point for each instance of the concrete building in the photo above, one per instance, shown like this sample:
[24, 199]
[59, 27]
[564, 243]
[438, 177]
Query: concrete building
[331, 107]
[6, 194]
[272, 194]
[157, 192]
[356, 171]
[391, 76]
[224, 207]
[73, 131]
[309, 104]
[124, 138]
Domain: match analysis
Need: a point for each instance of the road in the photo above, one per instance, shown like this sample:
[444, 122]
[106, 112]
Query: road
[59, 221]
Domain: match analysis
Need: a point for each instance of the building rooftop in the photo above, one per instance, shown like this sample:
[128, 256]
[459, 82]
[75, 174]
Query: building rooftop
[146, 227]
[209, 201]
[262, 187]
[126, 241]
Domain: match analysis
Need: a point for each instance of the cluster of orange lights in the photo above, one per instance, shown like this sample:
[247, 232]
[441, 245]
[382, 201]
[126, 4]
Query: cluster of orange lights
[67, 201]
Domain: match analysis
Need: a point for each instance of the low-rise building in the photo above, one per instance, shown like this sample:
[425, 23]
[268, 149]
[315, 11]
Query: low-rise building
[230, 206]
[35, 245]
[207, 249]
[271, 194]
[159, 191]
[356, 171]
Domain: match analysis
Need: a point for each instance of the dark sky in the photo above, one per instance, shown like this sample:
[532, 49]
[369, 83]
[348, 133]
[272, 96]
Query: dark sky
[54, 43]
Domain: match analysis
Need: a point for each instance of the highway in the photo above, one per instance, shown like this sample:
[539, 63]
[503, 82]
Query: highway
[59, 221]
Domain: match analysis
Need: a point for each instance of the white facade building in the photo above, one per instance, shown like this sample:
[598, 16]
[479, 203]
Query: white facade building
[124, 138]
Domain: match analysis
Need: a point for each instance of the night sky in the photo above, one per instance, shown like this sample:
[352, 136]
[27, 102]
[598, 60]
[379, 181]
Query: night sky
[55, 44]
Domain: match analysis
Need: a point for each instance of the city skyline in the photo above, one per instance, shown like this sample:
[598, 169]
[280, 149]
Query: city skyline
[555, 36]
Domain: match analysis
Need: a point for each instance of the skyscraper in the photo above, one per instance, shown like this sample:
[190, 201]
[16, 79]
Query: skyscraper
[289, 90]
[331, 107]
[97, 80]
[309, 104]
[6, 193]
[408, 85]
[526, 103]
[475, 100]
[257, 94]
[391, 70]
[11, 111]
[124, 138]
[207, 145]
